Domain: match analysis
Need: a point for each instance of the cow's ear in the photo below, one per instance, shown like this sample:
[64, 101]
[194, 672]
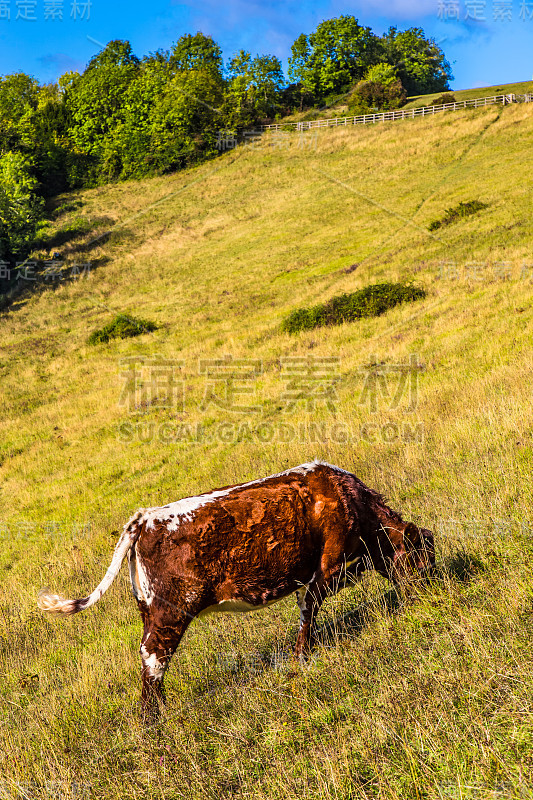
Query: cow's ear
[411, 535]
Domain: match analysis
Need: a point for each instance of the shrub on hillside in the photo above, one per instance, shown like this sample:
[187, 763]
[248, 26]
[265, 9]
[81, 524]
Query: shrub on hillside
[457, 212]
[122, 327]
[369, 96]
[368, 302]
[444, 99]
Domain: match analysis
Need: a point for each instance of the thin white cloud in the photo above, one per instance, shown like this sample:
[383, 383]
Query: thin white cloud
[414, 10]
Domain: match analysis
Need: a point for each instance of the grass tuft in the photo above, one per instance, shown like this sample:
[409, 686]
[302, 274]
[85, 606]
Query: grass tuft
[122, 327]
[458, 212]
[372, 301]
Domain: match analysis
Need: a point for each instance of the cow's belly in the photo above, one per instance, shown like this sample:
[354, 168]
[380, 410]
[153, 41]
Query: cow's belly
[238, 606]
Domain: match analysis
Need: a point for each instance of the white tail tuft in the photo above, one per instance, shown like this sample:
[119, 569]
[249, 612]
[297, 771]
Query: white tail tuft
[54, 604]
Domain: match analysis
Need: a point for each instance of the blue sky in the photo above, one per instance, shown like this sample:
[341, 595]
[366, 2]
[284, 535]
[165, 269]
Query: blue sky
[487, 41]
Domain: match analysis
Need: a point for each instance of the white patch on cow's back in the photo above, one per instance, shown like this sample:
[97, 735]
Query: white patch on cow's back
[185, 509]
[331, 466]
[174, 513]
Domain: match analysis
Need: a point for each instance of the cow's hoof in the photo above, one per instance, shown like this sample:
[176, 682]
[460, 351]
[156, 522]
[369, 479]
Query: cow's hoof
[150, 715]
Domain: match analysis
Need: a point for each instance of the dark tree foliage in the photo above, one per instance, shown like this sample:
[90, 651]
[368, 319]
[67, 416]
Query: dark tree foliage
[421, 64]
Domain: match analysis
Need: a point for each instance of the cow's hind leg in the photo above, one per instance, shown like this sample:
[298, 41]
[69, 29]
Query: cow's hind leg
[163, 631]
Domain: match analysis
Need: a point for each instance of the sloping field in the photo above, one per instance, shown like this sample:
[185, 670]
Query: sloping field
[523, 87]
[429, 403]
[340, 108]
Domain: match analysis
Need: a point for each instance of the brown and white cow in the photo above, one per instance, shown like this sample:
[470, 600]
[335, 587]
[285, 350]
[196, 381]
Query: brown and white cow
[239, 548]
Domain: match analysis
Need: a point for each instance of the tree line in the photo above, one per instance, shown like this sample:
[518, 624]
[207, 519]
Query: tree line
[129, 117]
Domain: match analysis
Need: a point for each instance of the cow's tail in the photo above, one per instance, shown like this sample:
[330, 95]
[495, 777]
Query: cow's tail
[54, 604]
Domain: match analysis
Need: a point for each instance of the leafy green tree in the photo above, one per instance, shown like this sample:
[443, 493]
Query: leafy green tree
[20, 207]
[95, 103]
[19, 97]
[421, 64]
[171, 111]
[186, 120]
[295, 97]
[131, 144]
[381, 90]
[118, 53]
[46, 138]
[196, 52]
[331, 58]
[382, 73]
[254, 88]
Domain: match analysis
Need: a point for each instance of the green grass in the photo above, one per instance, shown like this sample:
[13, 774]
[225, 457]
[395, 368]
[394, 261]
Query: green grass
[372, 301]
[429, 403]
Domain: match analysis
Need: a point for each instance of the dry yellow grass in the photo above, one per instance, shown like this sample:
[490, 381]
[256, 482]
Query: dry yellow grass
[430, 700]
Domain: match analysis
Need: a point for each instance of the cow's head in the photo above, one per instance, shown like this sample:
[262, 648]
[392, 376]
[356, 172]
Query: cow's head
[407, 552]
[414, 556]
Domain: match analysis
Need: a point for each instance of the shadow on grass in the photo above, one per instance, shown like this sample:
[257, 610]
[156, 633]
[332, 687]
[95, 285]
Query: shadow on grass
[39, 273]
[113, 237]
[62, 236]
[244, 668]
[461, 566]
[351, 623]
[19, 291]
[74, 232]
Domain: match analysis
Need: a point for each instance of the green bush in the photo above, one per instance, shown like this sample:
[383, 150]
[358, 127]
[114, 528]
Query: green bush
[122, 327]
[443, 99]
[369, 96]
[458, 212]
[368, 302]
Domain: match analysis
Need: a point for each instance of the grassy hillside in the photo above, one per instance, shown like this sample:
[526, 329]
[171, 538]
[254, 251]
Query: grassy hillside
[523, 87]
[429, 403]
[340, 108]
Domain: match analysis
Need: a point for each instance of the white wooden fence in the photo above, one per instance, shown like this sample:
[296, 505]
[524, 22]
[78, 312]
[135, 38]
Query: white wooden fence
[390, 116]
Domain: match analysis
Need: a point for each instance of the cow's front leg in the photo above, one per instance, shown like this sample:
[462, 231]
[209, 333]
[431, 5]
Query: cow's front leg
[155, 659]
[309, 599]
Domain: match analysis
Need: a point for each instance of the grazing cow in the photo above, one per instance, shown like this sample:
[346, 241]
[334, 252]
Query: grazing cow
[307, 530]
